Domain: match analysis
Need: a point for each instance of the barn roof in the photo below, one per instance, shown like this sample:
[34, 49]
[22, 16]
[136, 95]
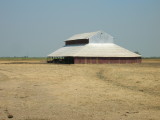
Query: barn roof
[94, 37]
[82, 36]
[93, 50]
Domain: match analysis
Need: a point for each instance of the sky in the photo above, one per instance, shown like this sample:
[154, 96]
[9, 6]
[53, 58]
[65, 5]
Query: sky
[36, 28]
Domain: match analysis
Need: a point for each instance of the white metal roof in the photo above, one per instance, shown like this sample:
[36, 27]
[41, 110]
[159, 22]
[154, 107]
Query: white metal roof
[93, 50]
[82, 36]
[94, 37]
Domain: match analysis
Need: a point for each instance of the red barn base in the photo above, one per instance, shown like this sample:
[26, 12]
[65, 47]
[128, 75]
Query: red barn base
[106, 60]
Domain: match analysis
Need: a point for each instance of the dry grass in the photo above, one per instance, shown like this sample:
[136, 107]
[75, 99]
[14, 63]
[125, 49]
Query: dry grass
[80, 92]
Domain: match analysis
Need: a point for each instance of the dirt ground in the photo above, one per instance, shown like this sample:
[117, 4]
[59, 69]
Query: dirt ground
[35, 91]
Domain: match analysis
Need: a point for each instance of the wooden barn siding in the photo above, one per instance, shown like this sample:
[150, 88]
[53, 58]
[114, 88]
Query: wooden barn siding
[103, 60]
[80, 41]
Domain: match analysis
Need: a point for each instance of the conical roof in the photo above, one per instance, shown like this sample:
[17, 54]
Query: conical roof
[93, 50]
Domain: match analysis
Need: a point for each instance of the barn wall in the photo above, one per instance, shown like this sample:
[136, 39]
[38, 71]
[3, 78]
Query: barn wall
[103, 60]
[80, 41]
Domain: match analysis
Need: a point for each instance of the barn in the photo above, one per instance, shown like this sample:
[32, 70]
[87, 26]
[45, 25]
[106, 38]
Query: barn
[92, 48]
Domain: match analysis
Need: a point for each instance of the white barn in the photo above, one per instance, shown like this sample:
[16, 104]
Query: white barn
[92, 48]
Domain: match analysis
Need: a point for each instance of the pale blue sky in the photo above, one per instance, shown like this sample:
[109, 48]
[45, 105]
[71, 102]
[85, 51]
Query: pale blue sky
[36, 28]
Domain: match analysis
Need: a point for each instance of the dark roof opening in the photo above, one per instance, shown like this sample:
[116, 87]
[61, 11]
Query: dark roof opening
[79, 41]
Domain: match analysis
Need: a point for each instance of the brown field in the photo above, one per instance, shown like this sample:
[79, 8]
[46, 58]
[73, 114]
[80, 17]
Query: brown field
[32, 90]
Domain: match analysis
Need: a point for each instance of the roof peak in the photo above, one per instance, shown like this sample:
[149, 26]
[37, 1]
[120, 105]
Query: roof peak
[98, 37]
[82, 35]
